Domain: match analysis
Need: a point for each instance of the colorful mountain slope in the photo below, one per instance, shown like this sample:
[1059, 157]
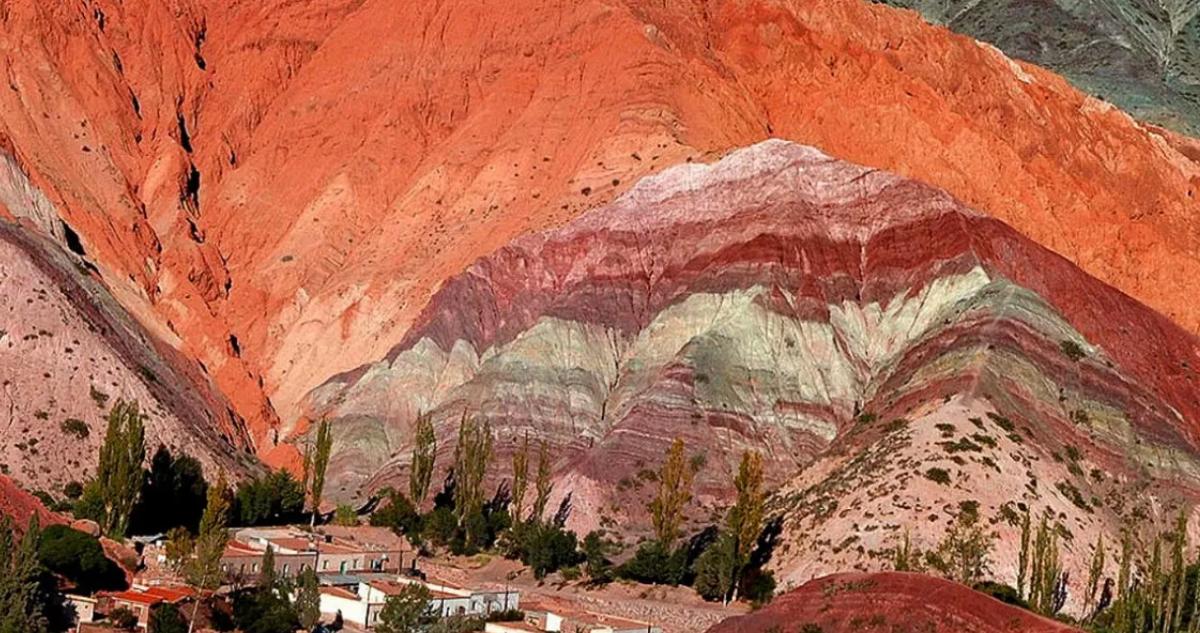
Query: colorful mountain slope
[887, 603]
[1142, 56]
[783, 301]
[277, 188]
[68, 352]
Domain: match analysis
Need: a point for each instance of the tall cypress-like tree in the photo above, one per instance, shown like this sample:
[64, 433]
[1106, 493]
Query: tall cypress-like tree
[1023, 557]
[424, 453]
[266, 575]
[119, 474]
[1095, 572]
[204, 570]
[745, 520]
[520, 466]
[471, 458]
[173, 494]
[22, 604]
[320, 463]
[308, 599]
[1177, 582]
[674, 493]
[1122, 616]
[306, 472]
[542, 484]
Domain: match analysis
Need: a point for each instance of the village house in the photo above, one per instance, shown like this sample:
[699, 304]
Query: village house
[140, 599]
[362, 604]
[84, 608]
[335, 550]
[567, 619]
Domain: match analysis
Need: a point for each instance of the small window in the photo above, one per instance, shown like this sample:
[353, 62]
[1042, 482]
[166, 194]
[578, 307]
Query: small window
[324, 564]
[285, 569]
[254, 568]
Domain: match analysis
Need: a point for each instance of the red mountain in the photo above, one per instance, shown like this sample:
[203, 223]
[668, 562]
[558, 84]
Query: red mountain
[886, 602]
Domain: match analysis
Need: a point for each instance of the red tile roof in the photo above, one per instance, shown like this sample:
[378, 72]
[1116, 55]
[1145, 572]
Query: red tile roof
[339, 592]
[153, 595]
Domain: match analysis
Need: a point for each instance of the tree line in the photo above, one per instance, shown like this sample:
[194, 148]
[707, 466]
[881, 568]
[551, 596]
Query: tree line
[1156, 589]
[515, 520]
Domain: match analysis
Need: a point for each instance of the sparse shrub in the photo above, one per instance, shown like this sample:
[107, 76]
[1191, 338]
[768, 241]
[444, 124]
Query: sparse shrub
[984, 439]
[961, 445]
[73, 490]
[76, 427]
[938, 475]
[99, 397]
[1002, 592]
[1072, 493]
[1072, 350]
[345, 515]
[1002, 422]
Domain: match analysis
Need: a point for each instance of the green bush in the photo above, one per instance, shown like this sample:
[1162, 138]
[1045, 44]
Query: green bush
[400, 515]
[272, 499]
[166, 618]
[79, 558]
[1072, 350]
[122, 618]
[655, 564]
[1002, 592]
[76, 427]
[938, 475]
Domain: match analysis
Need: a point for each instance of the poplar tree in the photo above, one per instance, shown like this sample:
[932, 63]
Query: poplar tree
[542, 484]
[1045, 569]
[903, 557]
[119, 474]
[424, 453]
[1122, 617]
[308, 599]
[306, 473]
[1095, 572]
[674, 493]
[745, 518]
[22, 605]
[266, 575]
[1177, 583]
[320, 463]
[471, 457]
[520, 466]
[1023, 557]
[204, 570]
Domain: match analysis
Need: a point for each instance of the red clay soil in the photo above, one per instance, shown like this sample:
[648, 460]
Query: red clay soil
[19, 506]
[889, 602]
[278, 187]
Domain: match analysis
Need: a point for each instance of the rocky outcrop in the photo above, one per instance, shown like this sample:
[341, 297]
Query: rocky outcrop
[278, 188]
[68, 352]
[857, 328]
[854, 603]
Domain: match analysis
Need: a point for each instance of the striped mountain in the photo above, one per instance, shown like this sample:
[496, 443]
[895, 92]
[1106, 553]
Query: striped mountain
[781, 300]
